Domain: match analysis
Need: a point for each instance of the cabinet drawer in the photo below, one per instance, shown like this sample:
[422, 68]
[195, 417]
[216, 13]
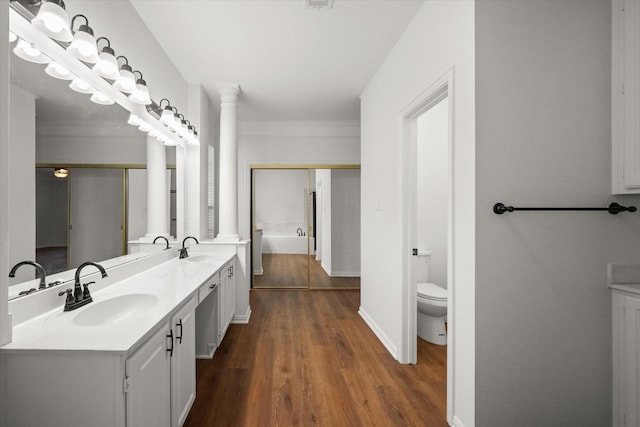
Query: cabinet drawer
[208, 287]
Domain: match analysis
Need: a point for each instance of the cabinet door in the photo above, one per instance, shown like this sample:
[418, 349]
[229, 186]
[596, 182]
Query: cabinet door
[632, 360]
[147, 385]
[183, 363]
[232, 290]
[223, 304]
[626, 95]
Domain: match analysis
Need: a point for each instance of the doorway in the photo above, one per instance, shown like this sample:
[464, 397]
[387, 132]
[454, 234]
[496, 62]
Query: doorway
[306, 226]
[428, 206]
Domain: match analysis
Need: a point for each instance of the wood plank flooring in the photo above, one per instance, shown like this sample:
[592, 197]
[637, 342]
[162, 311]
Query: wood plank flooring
[307, 358]
[290, 271]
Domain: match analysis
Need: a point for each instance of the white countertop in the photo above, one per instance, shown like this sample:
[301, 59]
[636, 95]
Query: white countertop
[172, 282]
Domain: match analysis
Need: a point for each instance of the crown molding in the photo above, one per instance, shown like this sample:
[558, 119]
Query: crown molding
[349, 129]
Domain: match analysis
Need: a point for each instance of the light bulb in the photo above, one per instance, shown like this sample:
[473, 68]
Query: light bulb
[83, 46]
[29, 52]
[53, 21]
[12, 37]
[81, 86]
[134, 120]
[140, 95]
[107, 65]
[100, 98]
[144, 127]
[154, 133]
[58, 71]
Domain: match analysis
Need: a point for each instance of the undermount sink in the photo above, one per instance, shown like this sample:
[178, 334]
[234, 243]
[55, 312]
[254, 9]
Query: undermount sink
[202, 258]
[116, 309]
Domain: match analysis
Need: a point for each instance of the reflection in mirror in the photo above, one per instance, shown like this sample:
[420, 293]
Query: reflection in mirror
[306, 226]
[61, 221]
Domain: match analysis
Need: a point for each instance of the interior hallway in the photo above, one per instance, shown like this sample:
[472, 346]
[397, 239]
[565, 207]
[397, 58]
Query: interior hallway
[307, 358]
[290, 271]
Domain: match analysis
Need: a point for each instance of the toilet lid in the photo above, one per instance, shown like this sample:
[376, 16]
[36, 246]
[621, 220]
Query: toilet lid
[431, 291]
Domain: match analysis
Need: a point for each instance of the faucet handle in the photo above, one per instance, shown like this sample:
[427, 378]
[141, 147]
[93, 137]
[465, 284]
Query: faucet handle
[57, 282]
[85, 292]
[70, 299]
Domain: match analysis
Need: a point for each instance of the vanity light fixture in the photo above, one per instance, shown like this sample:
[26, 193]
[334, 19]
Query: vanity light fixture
[12, 36]
[29, 52]
[190, 133]
[182, 130]
[83, 46]
[154, 133]
[134, 120]
[163, 139]
[141, 94]
[52, 20]
[61, 172]
[144, 127]
[126, 82]
[100, 98]
[81, 86]
[195, 140]
[58, 71]
[167, 113]
[107, 65]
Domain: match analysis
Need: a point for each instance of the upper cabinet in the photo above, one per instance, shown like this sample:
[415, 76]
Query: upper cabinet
[625, 74]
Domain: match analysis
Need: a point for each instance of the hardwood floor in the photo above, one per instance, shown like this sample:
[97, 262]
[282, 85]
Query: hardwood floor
[290, 271]
[307, 358]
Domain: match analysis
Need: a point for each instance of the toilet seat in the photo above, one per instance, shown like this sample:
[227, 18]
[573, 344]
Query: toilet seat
[432, 292]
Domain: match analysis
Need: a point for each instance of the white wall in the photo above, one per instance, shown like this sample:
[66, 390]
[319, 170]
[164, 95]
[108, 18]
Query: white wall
[5, 319]
[290, 143]
[345, 222]
[543, 139]
[87, 142]
[433, 188]
[441, 36]
[280, 200]
[22, 152]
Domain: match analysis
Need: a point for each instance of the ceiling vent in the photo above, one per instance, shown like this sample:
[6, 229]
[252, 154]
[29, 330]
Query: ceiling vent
[318, 4]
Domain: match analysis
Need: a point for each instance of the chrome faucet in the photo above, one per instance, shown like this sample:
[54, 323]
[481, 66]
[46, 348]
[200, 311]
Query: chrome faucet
[162, 237]
[80, 297]
[38, 267]
[183, 249]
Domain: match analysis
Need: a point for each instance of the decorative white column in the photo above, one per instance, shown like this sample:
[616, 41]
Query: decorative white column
[228, 183]
[157, 203]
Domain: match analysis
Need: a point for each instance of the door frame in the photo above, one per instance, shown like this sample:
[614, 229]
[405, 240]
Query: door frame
[282, 166]
[440, 89]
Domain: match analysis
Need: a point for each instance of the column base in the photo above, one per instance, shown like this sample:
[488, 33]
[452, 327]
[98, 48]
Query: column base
[224, 238]
[149, 237]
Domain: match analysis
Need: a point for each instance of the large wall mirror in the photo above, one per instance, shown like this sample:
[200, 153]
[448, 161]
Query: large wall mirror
[306, 226]
[90, 214]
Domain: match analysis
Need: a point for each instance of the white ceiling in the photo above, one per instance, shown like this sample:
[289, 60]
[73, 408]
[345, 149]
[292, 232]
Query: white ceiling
[292, 63]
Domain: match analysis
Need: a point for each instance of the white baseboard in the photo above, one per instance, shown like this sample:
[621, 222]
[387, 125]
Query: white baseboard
[345, 274]
[457, 422]
[212, 351]
[378, 332]
[242, 319]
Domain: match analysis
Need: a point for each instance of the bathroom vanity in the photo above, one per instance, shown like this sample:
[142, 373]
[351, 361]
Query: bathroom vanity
[624, 281]
[127, 358]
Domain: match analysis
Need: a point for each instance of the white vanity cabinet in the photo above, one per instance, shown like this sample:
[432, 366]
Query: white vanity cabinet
[625, 125]
[183, 367]
[226, 298]
[160, 379]
[626, 357]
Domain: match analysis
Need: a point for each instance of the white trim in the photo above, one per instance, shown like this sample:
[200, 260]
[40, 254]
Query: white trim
[456, 422]
[308, 129]
[242, 319]
[436, 92]
[384, 339]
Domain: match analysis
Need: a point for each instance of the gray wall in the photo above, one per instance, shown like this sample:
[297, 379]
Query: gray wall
[543, 316]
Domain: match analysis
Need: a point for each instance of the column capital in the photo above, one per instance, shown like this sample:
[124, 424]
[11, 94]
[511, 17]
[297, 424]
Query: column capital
[228, 92]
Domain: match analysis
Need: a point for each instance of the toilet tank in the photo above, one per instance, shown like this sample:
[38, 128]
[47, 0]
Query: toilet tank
[421, 266]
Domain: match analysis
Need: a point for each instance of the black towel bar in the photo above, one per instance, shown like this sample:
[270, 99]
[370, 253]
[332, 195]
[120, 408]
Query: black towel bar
[613, 209]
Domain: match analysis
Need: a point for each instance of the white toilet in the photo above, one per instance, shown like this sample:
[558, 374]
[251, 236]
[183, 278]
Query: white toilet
[432, 304]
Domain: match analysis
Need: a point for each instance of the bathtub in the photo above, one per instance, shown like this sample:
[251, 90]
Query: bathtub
[285, 244]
